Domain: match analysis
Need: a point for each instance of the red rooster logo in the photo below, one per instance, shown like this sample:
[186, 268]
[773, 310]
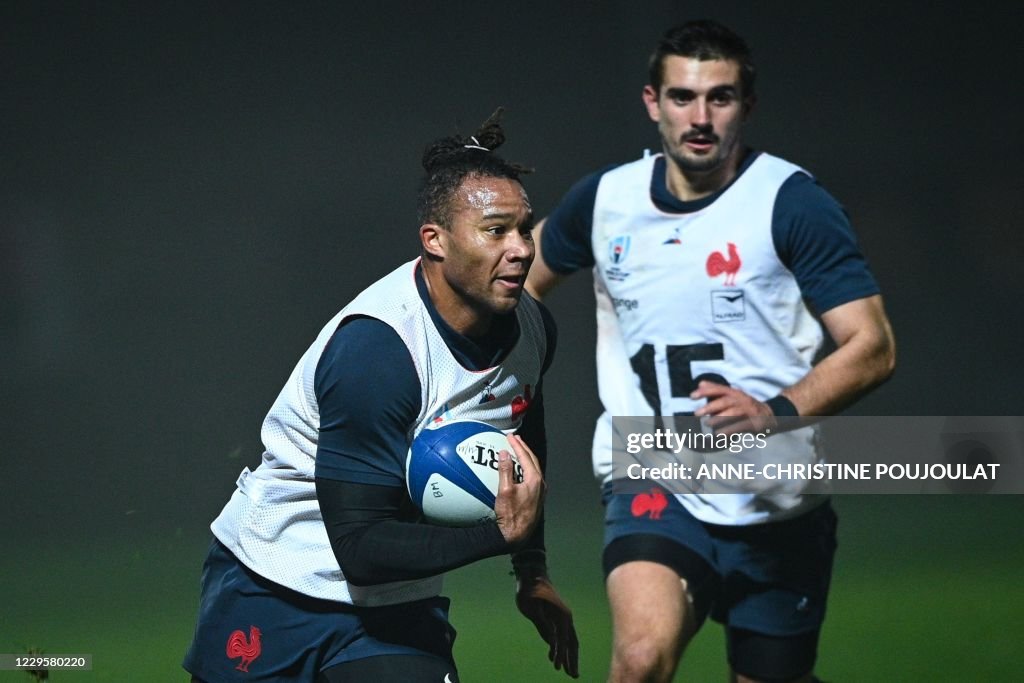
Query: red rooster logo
[718, 264]
[248, 650]
[520, 404]
[652, 503]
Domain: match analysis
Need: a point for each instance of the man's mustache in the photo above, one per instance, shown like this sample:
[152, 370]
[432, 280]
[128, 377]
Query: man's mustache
[704, 134]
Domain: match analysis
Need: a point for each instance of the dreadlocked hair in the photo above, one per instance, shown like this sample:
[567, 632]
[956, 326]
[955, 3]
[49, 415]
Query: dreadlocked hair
[449, 161]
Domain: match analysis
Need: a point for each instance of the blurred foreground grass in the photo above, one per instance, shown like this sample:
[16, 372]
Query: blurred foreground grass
[927, 588]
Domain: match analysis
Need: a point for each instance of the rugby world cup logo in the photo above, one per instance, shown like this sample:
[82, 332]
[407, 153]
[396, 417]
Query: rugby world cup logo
[618, 249]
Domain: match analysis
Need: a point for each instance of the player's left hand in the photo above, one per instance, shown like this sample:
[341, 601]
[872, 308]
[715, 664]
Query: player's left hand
[539, 602]
[732, 410]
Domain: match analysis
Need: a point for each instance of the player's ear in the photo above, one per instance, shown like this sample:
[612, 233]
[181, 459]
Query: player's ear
[433, 239]
[650, 97]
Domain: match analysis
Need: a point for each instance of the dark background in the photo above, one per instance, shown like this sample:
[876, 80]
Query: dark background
[189, 191]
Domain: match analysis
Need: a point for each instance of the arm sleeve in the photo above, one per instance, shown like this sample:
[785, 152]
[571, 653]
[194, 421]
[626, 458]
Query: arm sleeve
[375, 541]
[814, 239]
[565, 240]
[368, 394]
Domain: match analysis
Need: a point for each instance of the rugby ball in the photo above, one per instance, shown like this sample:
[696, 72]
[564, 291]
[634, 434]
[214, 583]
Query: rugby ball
[452, 471]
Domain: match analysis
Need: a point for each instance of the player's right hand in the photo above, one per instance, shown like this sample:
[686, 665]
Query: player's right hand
[732, 410]
[518, 506]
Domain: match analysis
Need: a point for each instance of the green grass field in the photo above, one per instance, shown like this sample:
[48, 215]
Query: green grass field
[927, 588]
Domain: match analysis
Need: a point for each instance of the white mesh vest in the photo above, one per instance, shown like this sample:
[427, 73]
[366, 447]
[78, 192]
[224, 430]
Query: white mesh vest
[272, 522]
[681, 295]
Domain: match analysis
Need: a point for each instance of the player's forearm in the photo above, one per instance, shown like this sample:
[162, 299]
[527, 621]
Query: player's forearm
[861, 363]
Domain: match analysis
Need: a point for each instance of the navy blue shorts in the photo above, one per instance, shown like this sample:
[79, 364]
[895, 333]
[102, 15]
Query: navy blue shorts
[772, 578]
[252, 629]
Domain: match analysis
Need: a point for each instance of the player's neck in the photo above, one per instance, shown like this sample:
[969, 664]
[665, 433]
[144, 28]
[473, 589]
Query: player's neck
[688, 186]
[451, 306]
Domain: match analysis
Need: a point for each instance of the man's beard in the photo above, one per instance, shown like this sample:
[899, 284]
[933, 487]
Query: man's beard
[696, 164]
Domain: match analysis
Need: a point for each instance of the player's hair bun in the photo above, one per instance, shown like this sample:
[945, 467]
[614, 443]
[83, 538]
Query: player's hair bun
[485, 140]
[449, 161]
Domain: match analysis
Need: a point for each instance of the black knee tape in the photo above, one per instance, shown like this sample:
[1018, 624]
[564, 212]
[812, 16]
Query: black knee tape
[772, 659]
